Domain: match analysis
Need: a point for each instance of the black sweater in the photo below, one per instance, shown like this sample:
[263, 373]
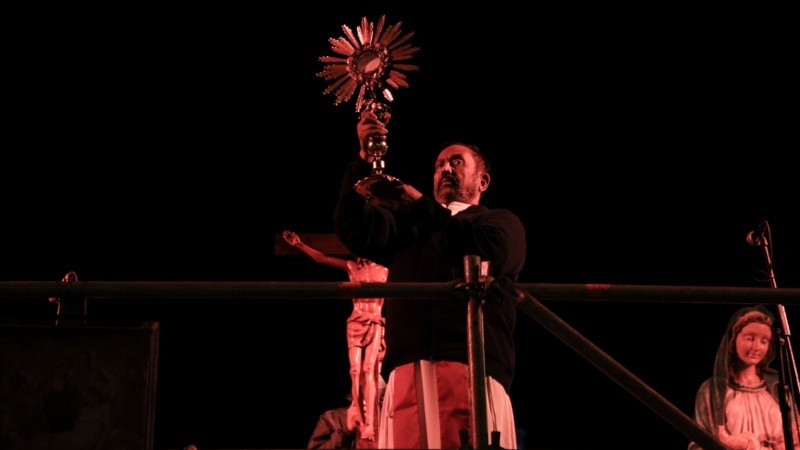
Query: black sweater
[428, 244]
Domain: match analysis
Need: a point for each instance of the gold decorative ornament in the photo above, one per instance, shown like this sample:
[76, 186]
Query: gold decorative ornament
[369, 62]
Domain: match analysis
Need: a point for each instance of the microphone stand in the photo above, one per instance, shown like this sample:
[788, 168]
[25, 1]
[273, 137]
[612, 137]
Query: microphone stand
[70, 307]
[788, 376]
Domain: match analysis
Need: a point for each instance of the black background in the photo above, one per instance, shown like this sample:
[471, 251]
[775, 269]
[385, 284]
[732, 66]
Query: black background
[638, 145]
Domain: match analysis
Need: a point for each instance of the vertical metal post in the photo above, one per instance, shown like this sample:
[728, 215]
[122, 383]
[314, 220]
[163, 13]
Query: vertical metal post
[477, 357]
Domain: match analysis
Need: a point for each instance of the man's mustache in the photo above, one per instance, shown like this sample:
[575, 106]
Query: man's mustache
[451, 180]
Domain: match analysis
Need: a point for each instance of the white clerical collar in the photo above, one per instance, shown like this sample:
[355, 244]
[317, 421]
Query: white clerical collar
[456, 207]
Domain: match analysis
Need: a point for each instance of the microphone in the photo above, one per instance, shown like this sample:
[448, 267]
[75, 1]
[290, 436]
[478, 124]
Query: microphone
[756, 237]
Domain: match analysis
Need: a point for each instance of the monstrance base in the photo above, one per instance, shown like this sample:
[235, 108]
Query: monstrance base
[365, 185]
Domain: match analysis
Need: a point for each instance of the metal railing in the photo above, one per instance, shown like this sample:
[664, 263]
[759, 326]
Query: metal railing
[527, 295]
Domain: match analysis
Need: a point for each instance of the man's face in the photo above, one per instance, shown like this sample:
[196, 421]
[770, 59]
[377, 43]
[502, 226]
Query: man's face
[457, 176]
